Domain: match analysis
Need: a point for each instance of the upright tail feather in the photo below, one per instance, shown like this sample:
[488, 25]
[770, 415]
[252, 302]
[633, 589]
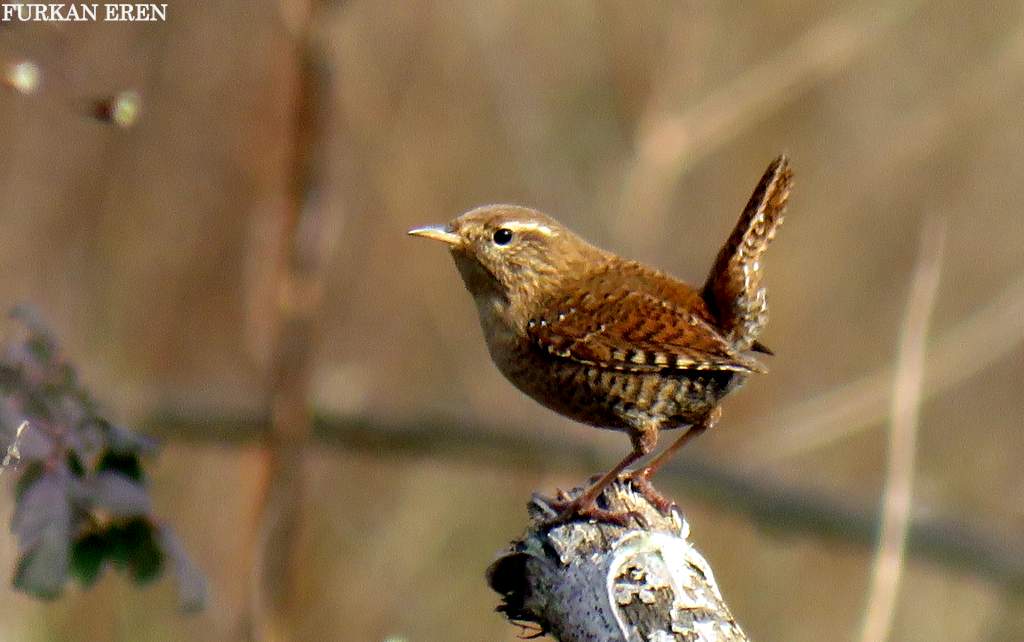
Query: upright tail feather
[733, 290]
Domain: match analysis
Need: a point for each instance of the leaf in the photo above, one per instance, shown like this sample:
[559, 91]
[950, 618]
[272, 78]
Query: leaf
[29, 476]
[117, 493]
[87, 441]
[41, 346]
[40, 341]
[44, 501]
[118, 545]
[10, 376]
[87, 556]
[133, 545]
[125, 441]
[192, 589]
[147, 558]
[42, 524]
[35, 444]
[81, 500]
[126, 464]
[43, 570]
[75, 465]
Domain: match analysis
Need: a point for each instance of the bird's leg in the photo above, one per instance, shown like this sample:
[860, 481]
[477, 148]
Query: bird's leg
[641, 479]
[585, 505]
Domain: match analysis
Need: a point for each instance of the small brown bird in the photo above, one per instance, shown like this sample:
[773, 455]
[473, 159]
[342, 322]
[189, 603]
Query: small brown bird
[611, 342]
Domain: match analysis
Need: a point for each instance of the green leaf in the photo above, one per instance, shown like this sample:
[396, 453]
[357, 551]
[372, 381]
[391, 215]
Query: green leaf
[126, 464]
[29, 475]
[10, 378]
[133, 545]
[118, 545]
[41, 347]
[87, 556]
[75, 464]
[147, 560]
[43, 570]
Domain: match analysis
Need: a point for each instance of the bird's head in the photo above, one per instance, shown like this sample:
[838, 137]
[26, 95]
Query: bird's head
[510, 255]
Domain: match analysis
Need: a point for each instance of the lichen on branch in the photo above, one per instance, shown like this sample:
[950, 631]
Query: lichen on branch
[584, 580]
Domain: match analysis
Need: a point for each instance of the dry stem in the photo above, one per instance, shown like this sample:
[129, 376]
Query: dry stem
[888, 565]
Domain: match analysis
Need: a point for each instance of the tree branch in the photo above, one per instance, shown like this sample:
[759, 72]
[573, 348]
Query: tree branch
[597, 581]
[762, 499]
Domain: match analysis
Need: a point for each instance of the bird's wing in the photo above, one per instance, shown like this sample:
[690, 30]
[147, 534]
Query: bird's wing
[630, 330]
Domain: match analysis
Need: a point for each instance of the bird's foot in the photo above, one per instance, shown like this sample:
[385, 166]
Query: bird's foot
[641, 482]
[562, 509]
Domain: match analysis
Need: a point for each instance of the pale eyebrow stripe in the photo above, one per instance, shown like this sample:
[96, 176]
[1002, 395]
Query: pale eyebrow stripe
[519, 226]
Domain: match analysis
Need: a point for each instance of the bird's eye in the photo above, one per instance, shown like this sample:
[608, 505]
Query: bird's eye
[502, 236]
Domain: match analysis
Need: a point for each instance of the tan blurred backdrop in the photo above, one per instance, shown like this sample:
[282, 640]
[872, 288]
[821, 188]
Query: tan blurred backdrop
[643, 125]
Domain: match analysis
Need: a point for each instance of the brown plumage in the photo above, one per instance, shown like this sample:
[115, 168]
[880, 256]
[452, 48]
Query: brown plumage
[611, 342]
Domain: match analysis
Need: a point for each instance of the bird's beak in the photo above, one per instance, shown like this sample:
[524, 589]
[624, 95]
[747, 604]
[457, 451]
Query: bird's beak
[438, 233]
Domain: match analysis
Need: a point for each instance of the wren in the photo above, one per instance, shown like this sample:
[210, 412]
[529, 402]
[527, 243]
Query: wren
[611, 342]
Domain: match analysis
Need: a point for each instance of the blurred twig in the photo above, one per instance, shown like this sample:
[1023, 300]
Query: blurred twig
[763, 499]
[985, 337]
[669, 143]
[525, 114]
[906, 404]
[298, 297]
[988, 335]
[1007, 624]
[13, 454]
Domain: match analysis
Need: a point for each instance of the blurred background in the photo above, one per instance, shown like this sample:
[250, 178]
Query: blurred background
[231, 274]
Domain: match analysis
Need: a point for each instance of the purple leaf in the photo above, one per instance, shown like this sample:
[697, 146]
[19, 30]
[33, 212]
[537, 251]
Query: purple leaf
[121, 439]
[120, 495]
[192, 589]
[87, 441]
[34, 444]
[42, 523]
[44, 503]
[43, 570]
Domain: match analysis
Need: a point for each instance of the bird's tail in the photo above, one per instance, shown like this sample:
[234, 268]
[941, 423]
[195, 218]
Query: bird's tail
[733, 290]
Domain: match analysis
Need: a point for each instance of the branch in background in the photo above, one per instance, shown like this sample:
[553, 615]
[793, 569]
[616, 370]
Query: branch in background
[987, 335]
[1008, 624]
[596, 581]
[298, 294]
[906, 407]
[669, 143]
[763, 499]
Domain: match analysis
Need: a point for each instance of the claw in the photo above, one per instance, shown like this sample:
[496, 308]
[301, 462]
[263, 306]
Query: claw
[641, 482]
[567, 510]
